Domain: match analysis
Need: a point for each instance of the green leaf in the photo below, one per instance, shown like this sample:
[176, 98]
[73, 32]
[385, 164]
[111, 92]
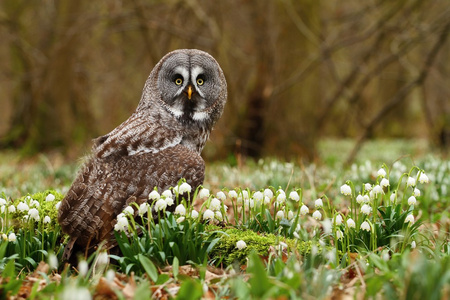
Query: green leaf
[190, 289]
[149, 267]
[175, 266]
[259, 281]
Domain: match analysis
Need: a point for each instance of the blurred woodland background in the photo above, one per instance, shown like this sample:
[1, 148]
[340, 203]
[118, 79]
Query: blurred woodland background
[298, 71]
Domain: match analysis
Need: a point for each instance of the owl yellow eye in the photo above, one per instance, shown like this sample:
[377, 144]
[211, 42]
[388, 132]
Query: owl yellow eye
[200, 81]
[178, 81]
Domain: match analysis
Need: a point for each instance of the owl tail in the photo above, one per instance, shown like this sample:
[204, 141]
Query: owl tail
[68, 249]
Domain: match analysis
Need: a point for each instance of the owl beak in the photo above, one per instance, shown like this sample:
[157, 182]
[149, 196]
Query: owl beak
[189, 92]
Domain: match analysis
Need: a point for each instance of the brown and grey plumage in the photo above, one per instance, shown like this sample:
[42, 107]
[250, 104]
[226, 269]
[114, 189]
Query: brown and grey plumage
[158, 145]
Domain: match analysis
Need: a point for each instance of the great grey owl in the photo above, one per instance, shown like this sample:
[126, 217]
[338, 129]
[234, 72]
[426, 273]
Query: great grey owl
[159, 144]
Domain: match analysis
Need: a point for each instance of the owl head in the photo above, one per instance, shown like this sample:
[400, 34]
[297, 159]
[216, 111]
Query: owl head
[189, 84]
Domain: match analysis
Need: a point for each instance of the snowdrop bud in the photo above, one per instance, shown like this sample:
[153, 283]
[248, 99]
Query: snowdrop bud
[83, 268]
[4, 237]
[57, 205]
[204, 193]
[2, 202]
[381, 172]
[368, 187]
[128, 210]
[22, 207]
[218, 215]
[393, 197]
[160, 205]
[416, 192]
[143, 208]
[180, 210]
[266, 200]
[50, 198]
[110, 275]
[384, 182]
[317, 215]
[351, 223]
[53, 261]
[318, 203]
[241, 244]
[221, 196]
[12, 237]
[167, 194]
[412, 200]
[194, 214]
[208, 215]
[290, 214]
[180, 219]
[338, 220]
[232, 194]
[154, 195]
[423, 178]
[365, 226]
[11, 209]
[296, 235]
[280, 214]
[411, 182]
[281, 198]
[359, 199]
[413, 244]
[184, 188]
[339, 234]
[214, 204]
[258, 196]
[304, 210]
[268, 193]
[409, 219]
[294, 196]
[47, 220]
[103, 258]
[346, 190]
[366, 209]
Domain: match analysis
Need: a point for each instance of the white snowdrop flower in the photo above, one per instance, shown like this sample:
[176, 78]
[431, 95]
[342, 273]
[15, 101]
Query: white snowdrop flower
[180, 210]
[4, 237]
[385, 256]
[232, 194]
[122, 224]
[268, 193]
[11, 209]
[384, 182]
[298, 227]
[365, 226]
[413, 244]
[103, 258]
[2, 202]
[351, 223]
[34, 214]
[121, 215]
[167, 194]
[290, 214]
[411, 182]
[258, 196]
[338, 220]
[346, 190]
[318, 203]
[161, 204]
[50, 198]
[194, 214]
[423, 178]
[34, 203]
[12, 237]
[184, 188]
[393, 197]
[339, 234]
[366, 209]
[169, 201]
[359, 199]
[83, 268]
[143, 209]
[327, 226]
[110, 275]
[57, 205]
[367, 187]
[180, 219]
[245, 194]
[282, 246]
[218, 215]
[317, 215]
[295, 234]
[281, 191]
[416, 192]
[377, 190]
[47, 220]
[208, 215]
[128, 210]
[294, 196]
[381, 172]
[281, 198]
[53, 261]
[280, 214]
[221, 196]
[366, 198]
[412, 200]
[204, 193]
[304, 210]
[266, 200]
[154, 195]
[225, 207]
[409, 219]
[26, 217]
[241, 244]
[214, 204]
[250, 203]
